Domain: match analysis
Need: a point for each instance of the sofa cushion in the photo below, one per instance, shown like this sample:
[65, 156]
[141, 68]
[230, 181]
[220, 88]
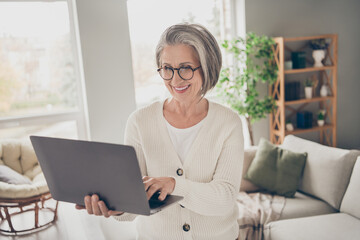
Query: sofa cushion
[246, 185]
[303, 205]
[327, 170]
[10, 176]
[330, 227]
[276, 170]
[350, 203]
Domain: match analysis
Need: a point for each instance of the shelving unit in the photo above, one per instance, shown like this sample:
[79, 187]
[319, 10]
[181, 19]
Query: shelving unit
[287, 109]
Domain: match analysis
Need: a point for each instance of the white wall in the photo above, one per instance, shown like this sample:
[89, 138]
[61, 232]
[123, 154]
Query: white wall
[105, 46]
[292, 18]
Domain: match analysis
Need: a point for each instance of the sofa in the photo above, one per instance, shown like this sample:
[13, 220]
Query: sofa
[326, 204]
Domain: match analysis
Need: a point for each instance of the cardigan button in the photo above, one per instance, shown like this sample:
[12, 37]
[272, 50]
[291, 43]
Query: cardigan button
[182, 206]
[186, 227]
[179, 172]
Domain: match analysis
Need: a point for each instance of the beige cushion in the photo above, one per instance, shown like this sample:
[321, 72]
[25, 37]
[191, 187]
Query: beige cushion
[28, 158]
[303, 205]
[18, 156]
[327, 170]
[351, 201]
[11, 154]
[330, 227]
[31, 173]
[246, 185]
[23, 190]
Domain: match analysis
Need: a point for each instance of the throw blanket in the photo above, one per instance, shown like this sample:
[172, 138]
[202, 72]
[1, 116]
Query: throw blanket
[255, 211]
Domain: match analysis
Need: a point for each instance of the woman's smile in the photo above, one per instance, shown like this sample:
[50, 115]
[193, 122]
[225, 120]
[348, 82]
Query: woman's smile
[181, 89]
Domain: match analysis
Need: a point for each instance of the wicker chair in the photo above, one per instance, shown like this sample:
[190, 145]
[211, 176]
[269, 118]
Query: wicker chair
[18, 199]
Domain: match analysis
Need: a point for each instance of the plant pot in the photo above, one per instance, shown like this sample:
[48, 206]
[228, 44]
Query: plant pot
[323, 90]
[321, 122]
[289, 127]
[318, 56]
[308, 92]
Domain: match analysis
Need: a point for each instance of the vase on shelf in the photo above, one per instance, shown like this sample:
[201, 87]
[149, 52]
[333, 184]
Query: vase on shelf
[324, 90]
[308, 92]
[318, 56]
[289, 126]
[321, 122]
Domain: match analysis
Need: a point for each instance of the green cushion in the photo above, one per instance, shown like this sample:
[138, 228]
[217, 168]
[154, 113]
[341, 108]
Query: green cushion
[275, 169]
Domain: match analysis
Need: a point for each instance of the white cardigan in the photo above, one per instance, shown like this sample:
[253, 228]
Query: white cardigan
[211, 174]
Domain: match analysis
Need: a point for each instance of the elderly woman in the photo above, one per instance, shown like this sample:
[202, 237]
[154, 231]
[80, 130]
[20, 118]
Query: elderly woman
[186, 145]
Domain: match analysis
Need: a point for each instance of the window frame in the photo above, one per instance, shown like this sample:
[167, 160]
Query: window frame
[80, 116]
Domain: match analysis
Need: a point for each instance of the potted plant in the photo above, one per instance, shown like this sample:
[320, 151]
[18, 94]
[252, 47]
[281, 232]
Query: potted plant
[321, 118]
[309, 83]
[253, 63]
[289, 125]
[318, 46]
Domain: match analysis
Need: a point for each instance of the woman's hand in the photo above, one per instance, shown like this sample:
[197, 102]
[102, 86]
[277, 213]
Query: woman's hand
[97, 207]
[152, 185]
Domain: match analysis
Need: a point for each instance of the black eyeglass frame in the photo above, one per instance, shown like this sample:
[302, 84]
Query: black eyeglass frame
[178, 69]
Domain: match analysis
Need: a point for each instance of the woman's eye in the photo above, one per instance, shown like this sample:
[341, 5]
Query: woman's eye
[167, 68]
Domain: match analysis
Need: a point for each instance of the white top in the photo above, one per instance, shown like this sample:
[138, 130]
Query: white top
[182, 139]
[211, 174]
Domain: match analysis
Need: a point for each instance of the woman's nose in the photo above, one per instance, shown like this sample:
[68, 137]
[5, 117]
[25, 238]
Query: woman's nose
[176, 78]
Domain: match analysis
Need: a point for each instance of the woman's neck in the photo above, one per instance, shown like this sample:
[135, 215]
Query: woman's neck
[184, 115]
[187, 109]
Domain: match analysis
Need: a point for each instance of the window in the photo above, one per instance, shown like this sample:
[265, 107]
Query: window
[147, 21]
[40, 91]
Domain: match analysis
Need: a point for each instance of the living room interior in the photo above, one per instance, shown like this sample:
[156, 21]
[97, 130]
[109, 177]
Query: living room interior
[100, 56]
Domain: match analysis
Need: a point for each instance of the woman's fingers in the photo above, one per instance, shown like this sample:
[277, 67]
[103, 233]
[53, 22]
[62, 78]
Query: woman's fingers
[79, 207]
[95, 206]
[153, 189]
[148, 182]
[87, 200]
[94, 203]
[104, 210]
[163, 195]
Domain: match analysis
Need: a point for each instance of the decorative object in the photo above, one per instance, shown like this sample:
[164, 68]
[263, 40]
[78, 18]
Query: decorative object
[254, 64]
[304, 119]
[318, 54]
[298, 60]
[308, 88]
[321, 118]
[275, 169]
[324, 90]
[288, 65]
[289, 126]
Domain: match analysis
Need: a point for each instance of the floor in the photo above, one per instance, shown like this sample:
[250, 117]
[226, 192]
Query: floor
[75, 224]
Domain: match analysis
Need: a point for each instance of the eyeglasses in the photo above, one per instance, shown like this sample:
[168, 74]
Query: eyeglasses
[186, 73]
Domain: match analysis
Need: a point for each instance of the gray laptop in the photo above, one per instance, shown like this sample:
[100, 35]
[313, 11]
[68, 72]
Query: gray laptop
[75, 168]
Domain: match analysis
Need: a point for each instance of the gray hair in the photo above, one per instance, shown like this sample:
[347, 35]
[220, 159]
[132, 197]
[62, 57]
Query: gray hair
[205, 45]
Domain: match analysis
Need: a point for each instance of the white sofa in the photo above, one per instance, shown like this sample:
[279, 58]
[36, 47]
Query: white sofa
[326, 205]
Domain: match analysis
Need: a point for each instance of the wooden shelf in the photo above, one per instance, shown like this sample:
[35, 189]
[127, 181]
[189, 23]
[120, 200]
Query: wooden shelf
[309, 69]
[300, 130]
[294, 39]
[315, 99]
[326, 74]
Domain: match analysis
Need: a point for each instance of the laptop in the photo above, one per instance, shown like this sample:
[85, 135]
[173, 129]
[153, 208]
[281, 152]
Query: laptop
[76, 168]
